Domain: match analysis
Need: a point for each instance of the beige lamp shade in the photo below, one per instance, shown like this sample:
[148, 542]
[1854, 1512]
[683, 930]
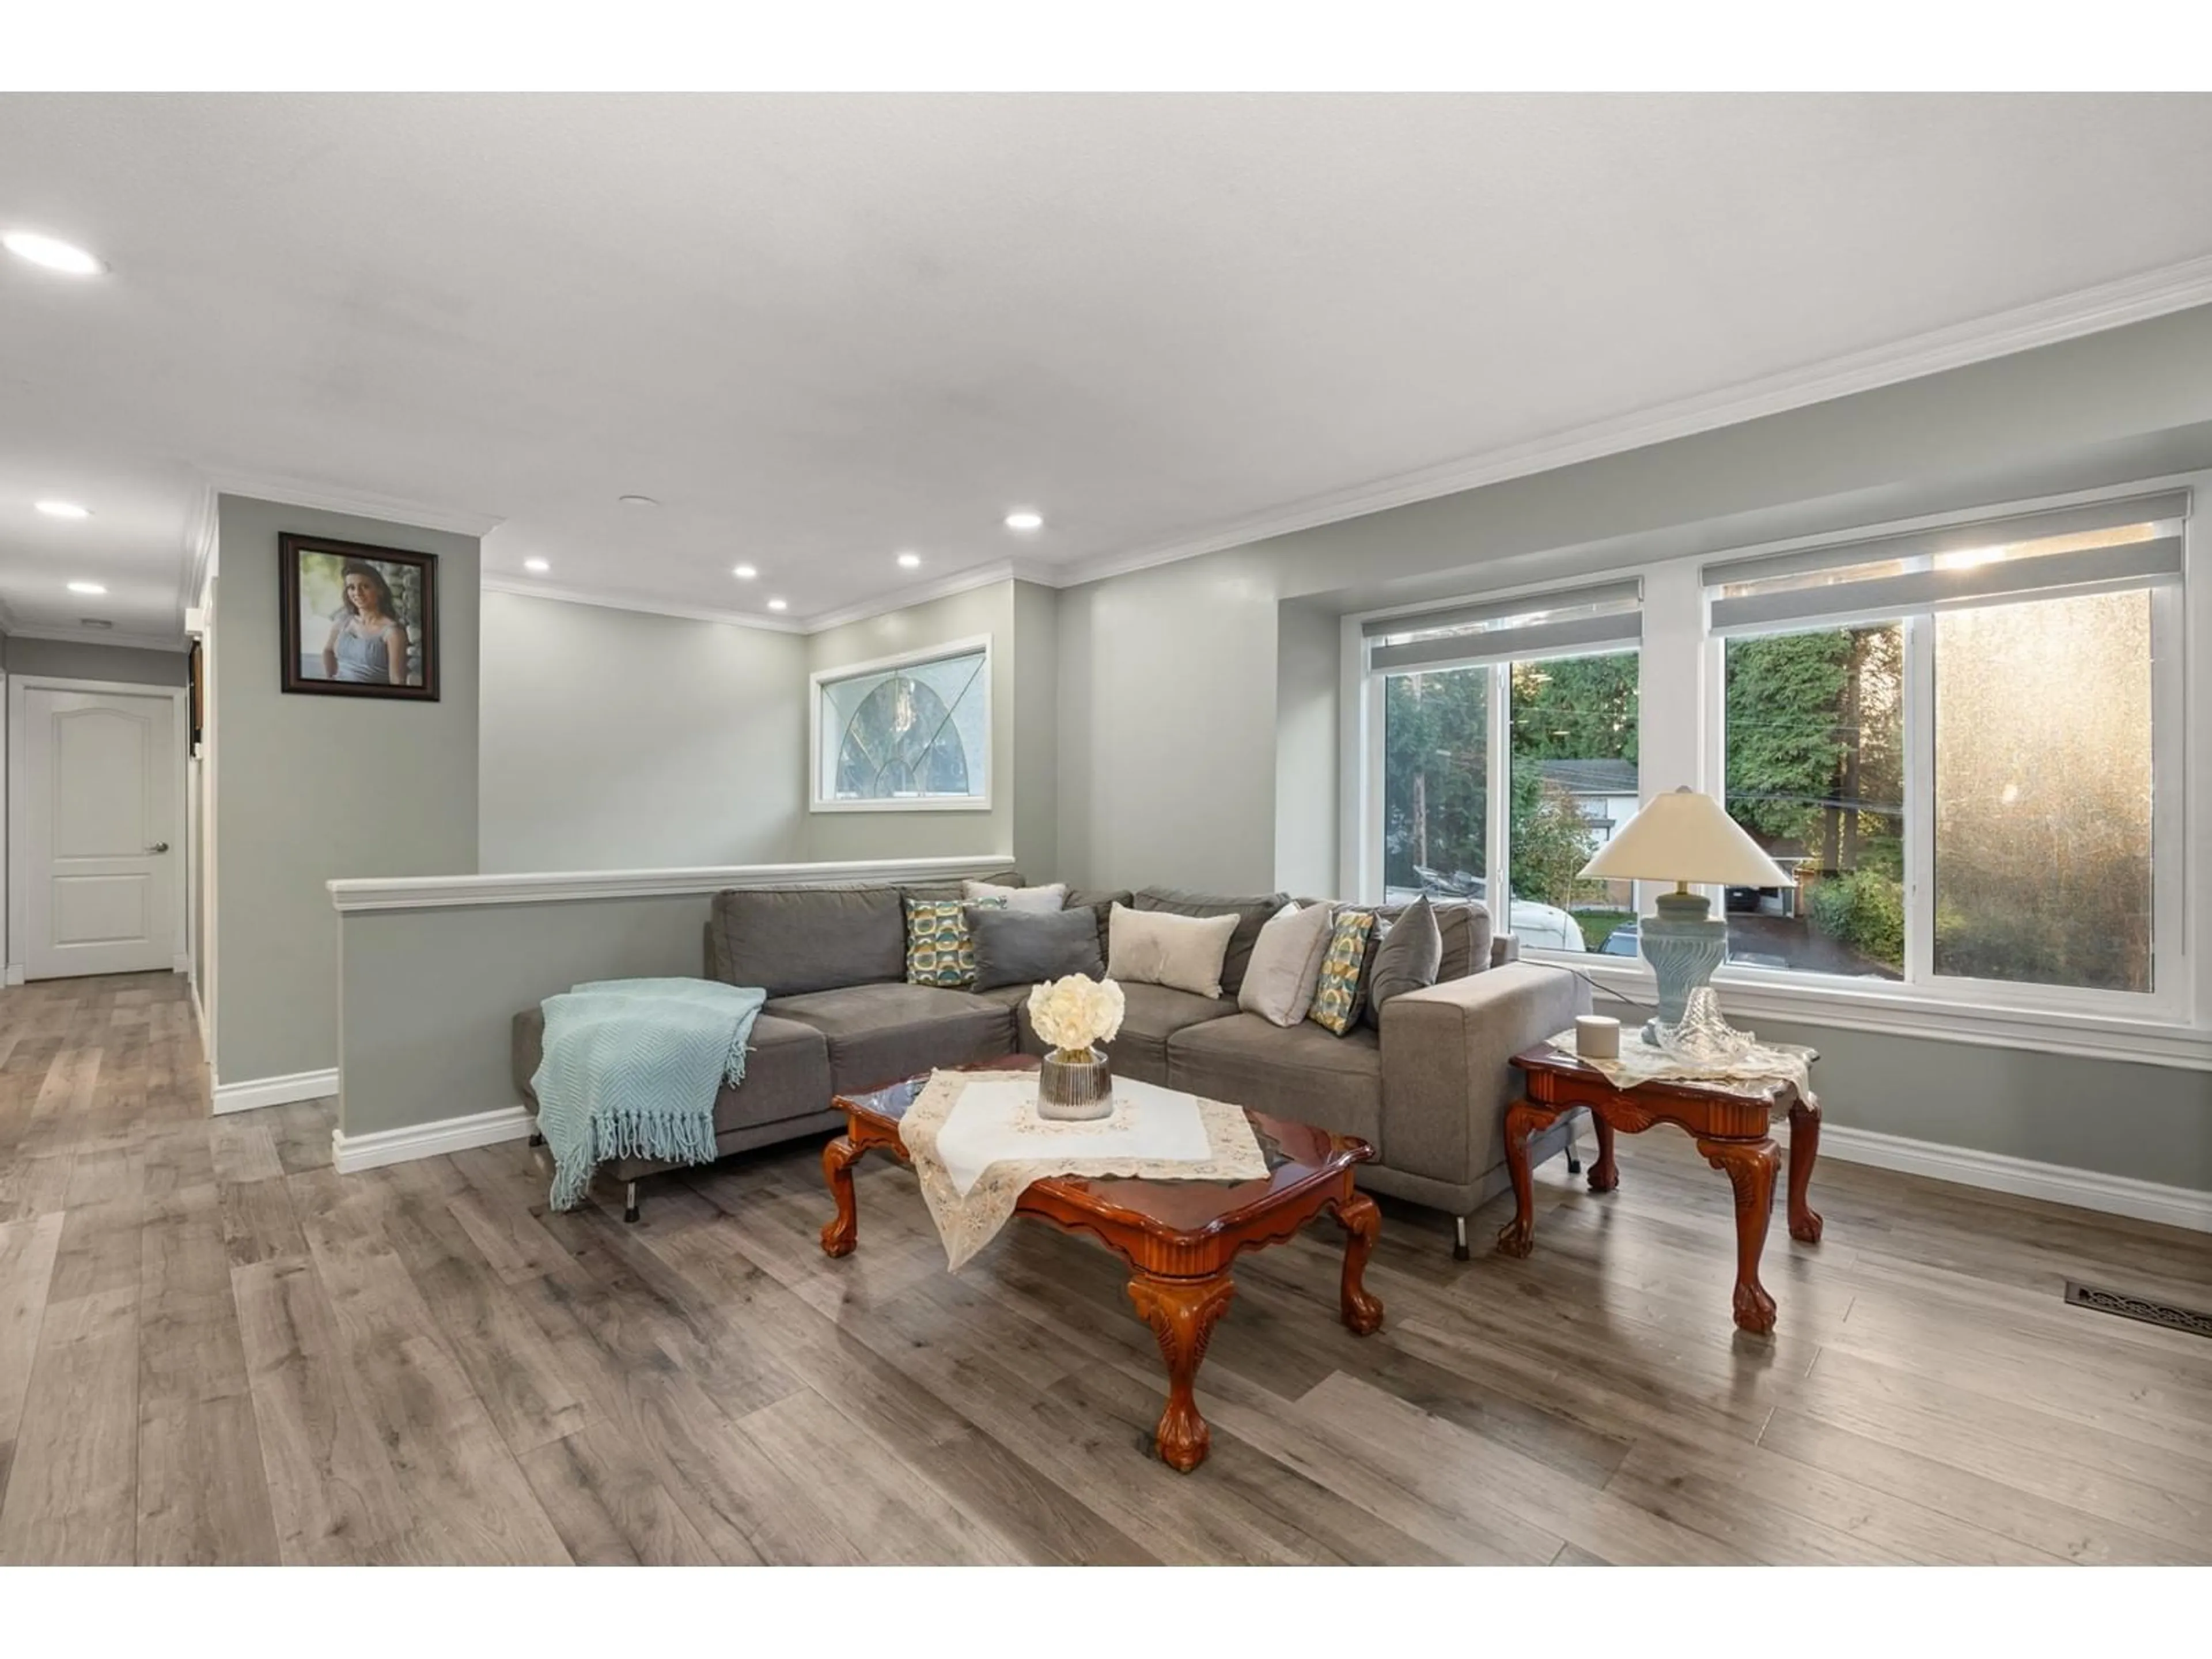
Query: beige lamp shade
[1686, 837]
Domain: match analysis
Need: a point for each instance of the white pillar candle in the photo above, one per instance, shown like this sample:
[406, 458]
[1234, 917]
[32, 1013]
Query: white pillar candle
[1597, 1037]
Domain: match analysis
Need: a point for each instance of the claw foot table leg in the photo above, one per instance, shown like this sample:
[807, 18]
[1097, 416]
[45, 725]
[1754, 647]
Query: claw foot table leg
[1750, 1166]
[843, 1232]
[1182, 1313]
[1363, 1223]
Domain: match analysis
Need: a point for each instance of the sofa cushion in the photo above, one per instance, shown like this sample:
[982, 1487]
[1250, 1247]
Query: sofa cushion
[1158, 947]
[1336, 997]
[957, 888]
[884, 1034]
[1252, 914]
[793, 940]
[1406, 959]
[1302, 1074]
[1101, 906]
[1016, 947]
[1286, 967]
[941, 948]
[1462, 924]
[786, 1071]
[1052, 896]
[1151, 1015]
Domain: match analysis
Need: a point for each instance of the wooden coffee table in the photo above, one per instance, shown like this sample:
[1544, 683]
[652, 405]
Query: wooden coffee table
[1178, 1236]
[1728, 1120]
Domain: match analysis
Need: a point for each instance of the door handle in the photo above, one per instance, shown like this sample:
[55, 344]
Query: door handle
[159, 846]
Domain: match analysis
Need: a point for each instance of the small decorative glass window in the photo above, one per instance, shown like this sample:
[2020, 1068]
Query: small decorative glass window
[905, 732]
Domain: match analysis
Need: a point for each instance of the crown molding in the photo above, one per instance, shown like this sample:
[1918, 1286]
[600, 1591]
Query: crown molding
[2046, 322]
[531, 588]
[103, 636]
[302, 492]
[199, 548]
[960, 581]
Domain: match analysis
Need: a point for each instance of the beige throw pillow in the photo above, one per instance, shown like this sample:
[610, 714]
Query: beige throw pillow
[1054, 898]
[1279, 986]
[1153, 947]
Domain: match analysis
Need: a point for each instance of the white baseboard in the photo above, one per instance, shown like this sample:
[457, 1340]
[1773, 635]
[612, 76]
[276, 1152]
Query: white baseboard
[350, 1153]
[199, 1020]
[274, 1090]
[181, 963]
[15, 975]
[2144, 1200]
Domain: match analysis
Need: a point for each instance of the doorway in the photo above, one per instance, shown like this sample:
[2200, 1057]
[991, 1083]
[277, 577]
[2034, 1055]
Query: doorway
[96, 844]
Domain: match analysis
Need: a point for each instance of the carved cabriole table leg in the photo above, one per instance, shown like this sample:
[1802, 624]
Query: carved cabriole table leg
[838, 1157]
[1363, 1223]
[1804, 1147]
[1523, 1119]
[1604, 1174]
[1751, 1167]
[1182, 1313]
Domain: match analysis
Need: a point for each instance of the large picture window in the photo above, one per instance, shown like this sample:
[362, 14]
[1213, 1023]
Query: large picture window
[1512, 759]
[1963, 789]
[1963, 739]
[905, 732]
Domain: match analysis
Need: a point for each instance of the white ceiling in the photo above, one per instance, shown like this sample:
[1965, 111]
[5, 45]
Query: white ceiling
[824, 328]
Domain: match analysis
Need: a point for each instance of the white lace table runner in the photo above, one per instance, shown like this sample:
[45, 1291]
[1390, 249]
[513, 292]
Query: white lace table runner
[1646, 1062]
[977, 1143]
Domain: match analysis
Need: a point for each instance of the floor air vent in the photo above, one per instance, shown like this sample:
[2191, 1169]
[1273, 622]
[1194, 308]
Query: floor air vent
[2140, 1307]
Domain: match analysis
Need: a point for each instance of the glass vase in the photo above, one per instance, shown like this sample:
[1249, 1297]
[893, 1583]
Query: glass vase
[1074, 1085]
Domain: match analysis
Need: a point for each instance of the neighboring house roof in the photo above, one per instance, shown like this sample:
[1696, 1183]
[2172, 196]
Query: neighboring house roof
[1590, 777]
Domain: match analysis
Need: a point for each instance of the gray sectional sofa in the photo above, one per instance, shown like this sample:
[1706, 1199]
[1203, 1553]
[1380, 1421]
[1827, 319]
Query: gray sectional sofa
[1427, 1085]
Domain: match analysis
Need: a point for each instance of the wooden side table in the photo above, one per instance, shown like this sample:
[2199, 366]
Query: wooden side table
[1728, 1120]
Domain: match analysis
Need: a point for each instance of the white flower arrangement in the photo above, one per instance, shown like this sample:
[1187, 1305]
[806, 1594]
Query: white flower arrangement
[1074, 1012]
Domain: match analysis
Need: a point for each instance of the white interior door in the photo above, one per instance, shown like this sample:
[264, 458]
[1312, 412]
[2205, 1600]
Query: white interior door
[103, 843]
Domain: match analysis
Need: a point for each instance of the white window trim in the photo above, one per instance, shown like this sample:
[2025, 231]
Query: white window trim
[1681, 735]
[979, 802]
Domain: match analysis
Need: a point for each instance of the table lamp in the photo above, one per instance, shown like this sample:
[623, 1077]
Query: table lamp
[1683, 837]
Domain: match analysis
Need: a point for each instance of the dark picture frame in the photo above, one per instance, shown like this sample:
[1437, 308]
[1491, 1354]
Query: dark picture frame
[196, 684]
[317, 577]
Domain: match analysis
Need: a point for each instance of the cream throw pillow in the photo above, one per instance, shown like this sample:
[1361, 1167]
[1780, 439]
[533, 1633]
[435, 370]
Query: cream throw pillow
[1286, 960]
[1152, 947]
[1054, 898]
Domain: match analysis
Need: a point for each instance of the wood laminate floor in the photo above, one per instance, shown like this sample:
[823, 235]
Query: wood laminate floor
[213, 1348]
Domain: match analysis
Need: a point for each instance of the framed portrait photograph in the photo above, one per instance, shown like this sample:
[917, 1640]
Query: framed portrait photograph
[358, 621]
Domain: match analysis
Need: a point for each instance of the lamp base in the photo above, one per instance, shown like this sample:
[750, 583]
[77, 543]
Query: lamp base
[1684, 943]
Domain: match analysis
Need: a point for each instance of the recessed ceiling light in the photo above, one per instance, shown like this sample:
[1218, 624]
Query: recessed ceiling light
[910, 560]
[778, 604]
[62, 509]
[52, 252]
[1024, 520]
[86, 588]
[638, 501]
[743, 573]
[535, 567]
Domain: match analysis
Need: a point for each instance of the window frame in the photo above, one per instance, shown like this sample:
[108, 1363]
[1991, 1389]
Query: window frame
[1682, 737]
[817, 685]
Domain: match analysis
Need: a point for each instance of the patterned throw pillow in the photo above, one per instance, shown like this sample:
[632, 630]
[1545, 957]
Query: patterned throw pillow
[939, 951]
[1336, 999]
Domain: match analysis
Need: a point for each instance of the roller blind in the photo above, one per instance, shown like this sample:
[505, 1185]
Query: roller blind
[2128, 542]
[1606, 616]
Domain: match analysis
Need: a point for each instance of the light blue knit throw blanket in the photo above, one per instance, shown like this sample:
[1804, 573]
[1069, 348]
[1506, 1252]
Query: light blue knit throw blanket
[630, 1069]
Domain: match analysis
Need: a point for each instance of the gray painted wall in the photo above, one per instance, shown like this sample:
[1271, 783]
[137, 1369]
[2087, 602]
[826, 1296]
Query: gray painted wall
[1035, 716]
[419, 1045]
[310, 788]
[1309, 665]
[616, 740]
[836, 836]
[68, 659]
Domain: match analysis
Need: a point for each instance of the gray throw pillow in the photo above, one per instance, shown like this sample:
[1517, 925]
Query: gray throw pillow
[792, 941]
[1407, 960]
[1020, 947]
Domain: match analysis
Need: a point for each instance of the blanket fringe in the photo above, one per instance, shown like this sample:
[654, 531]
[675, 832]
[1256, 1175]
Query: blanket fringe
[678, 1140]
